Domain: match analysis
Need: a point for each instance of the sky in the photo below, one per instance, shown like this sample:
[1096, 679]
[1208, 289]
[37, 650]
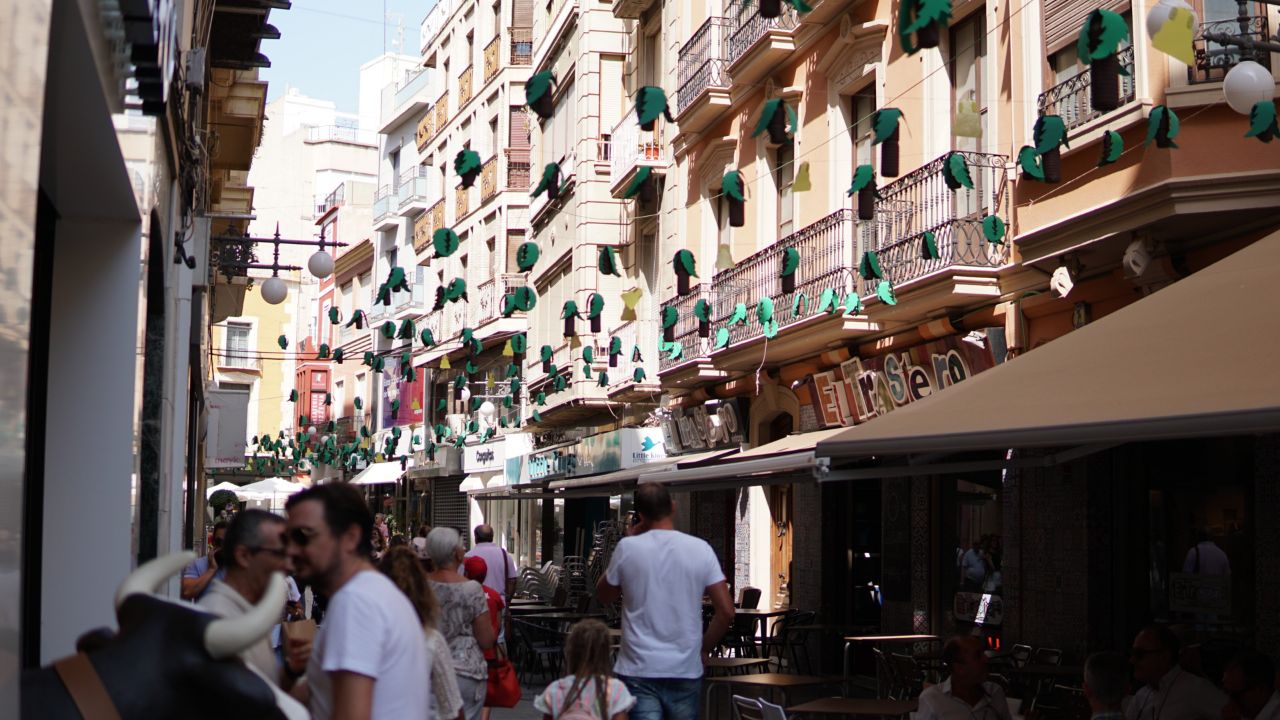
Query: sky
[323, 43]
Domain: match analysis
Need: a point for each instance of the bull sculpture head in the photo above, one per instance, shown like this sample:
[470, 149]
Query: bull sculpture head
[170, 659]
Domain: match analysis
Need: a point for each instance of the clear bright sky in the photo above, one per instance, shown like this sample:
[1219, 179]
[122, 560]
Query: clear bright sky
[323, 43]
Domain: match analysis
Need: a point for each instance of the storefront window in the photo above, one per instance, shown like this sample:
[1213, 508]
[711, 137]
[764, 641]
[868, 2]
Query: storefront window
[973, 577]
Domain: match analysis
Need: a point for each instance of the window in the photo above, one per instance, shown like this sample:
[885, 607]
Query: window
[862, 105]
[491, 259]
[339, 398]
[361, 388]
[968, 47]
[346, 293]
[785, 173]
[722, 217]
[237, 346]
[611, 95]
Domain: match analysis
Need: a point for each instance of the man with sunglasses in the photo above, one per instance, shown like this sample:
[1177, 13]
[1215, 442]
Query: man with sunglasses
[255, 549]
[366, 664]
[1168, 692]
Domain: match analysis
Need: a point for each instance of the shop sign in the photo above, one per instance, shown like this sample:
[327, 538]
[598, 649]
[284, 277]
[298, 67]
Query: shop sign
[1200, 594]
[595, 454]
[979, 608]
[225, 438]
[703, 427]
[864, 389]
[446, 461]
[489, 457]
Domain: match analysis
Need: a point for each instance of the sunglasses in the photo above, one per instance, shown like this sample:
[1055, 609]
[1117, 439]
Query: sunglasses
[301, 536]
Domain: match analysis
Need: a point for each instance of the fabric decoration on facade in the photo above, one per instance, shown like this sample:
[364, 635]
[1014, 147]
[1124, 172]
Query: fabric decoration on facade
[283, 342]
[775, 117]
[1171, 25]
[445, 241]
[852, 304]
[864, 186]
[637, 375]
[643, 185]
[323, 353]
[799, 305]
[595, 306]
[669, 315]
[684, 266]
[427, 337]
[651, 102]
[586, 371]
[1162, 127]
[1049, 135]
[635, 354]
[1262, 121]
[770, 9]
[1097, 47]
[293, 396]
[607, 262]
[358, 403]
[519, 343]
[675, 350]
[467, 165]
[631, 298]
[539, 93]
[884, 129]
[955, 171]
[802, 182]
[334, 315]
[388, 329]
[993, 229]
[702, 311]
[444, 362]
[615, 345]
[470, 368]
[550, 182]
[588, 354]
[884, 291]
[734, 189]
[1112, 147]
[790, 263]
[724, 257]
[924, 19]
[527, 256]
[570, 313]
[397, 281]
[1029, 162]
[739, 314]
[406, 331]
[722, 338]
[524, 298]
[764, 310]
[869, 268]
[357, 320]
[929, 246]
[338, 356]
[456, 290]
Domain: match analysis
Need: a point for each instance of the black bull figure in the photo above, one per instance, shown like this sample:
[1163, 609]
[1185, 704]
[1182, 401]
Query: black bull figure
[168, 660]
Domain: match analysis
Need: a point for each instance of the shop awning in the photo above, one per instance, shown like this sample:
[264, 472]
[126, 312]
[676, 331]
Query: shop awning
[619, 481]
[782, 461]
[378, 474]
[1197, 358]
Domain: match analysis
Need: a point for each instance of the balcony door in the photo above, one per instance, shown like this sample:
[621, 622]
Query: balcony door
[785, 176]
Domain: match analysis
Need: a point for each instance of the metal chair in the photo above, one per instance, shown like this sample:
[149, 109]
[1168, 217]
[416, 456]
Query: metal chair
[769, 711]
[745, 708]
[749, 598]
[1047, 656]
[909, 676]
[1020, 655]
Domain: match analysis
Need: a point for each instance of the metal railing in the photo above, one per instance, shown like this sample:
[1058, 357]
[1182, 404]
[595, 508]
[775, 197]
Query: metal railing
[461, 203]
[686, 328]
[703, 61]
[337, 197]
[1069, 99]
[382, 203]
[630, 146]
[489, 179]
[644, 333]
[517, 169]
[492, 57]
[1213, 59]
[464, 86]
[239, 360]
[921, 202]
[426, 128]
[442, 111]
[489, 296]
[337, 133]
[748, 27]
[521, 45]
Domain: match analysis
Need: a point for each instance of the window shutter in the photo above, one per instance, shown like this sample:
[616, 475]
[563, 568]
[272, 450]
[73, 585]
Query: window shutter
[610, 92]
[519, 131]
[522, 14]
[1064, 18]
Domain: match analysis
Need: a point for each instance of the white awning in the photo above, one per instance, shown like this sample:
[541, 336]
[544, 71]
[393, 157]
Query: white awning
[618, 480]
[1195, 359]
[779, 462]
[378, 474]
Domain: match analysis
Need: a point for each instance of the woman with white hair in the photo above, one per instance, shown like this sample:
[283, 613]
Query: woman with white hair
[464, 618]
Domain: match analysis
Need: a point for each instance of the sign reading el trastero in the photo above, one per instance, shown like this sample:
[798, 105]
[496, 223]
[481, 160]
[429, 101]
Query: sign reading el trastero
[866, 388]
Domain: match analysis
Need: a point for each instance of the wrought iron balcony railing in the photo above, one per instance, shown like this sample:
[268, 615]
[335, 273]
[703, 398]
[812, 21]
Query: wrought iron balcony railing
[492, 58]
[703, 60]
[629, 147]
[489, 296]
[464, 86]
[748, 27]
[921, 202]
[521, 45]
[1213, 59]
[489, 179]
[1069, 99]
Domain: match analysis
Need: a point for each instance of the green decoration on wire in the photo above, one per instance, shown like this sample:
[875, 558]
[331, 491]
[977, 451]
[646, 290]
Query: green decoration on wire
[1112, 147]
[955, 171]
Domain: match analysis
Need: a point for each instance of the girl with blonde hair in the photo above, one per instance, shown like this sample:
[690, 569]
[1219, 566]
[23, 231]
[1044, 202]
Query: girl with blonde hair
[589, 692]
[403, 567]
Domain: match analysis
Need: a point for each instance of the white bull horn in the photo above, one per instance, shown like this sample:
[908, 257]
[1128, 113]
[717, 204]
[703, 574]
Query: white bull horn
[227, 636]
[152, 574]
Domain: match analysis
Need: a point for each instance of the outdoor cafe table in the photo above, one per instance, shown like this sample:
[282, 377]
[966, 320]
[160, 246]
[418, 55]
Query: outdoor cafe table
[535, 609]
[773, 682]
[866, 707]
[730, 664]
[568, 617]
[849, 640]
[526, 601]
[759, 618]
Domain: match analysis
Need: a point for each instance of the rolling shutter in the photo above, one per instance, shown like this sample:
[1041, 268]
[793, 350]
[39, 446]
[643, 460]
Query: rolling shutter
[449, 506]
[610, 92]
[1064, 18]
[522, 14]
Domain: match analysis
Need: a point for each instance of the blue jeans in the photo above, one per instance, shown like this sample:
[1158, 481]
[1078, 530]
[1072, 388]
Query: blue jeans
[664, 698]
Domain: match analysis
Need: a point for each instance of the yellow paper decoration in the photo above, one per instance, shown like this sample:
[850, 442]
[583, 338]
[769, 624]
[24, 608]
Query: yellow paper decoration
[444, 363]
[1174, 37]
[631, 297]
[802, 183]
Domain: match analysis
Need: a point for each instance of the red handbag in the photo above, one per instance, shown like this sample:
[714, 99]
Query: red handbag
[504, 686]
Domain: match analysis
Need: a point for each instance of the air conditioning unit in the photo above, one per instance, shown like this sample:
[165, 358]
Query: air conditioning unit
[195, 68]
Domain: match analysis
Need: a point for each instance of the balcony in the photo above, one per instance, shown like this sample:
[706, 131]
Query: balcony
[442, 112]
[1069, 99]
[1213, 59]
[622, 385]
[239, 361]
[341, 134]
[461, 203]
[412, 303]
[517, 169]
[568, 173]
[417, 187]
[426, 129]
[631, 149]
[383, 218]
[521, 46]
[425, 225]
[630, 9]
[489, 179]
[921, 202]
[464, 86]
[757, 45]
[704, 81]
[489, 294]
[492, 58]
[406, 97]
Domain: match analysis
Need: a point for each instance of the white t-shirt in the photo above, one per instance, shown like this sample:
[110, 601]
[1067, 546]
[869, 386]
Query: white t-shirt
[371, 629]
[663, 575]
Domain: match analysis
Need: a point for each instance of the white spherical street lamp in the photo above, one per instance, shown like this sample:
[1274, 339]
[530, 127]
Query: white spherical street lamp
[274, 291]
[1246, 85]
[466, 393]
[487, 409]
[320, 264]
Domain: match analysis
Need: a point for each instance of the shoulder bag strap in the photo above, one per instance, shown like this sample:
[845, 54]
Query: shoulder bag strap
[86, 688]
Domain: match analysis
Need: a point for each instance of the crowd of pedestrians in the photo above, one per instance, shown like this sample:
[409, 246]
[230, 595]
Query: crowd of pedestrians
[412, 629]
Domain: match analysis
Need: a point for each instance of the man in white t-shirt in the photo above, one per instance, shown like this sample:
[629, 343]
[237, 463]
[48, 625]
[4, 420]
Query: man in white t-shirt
[661, 575]
[369, 660]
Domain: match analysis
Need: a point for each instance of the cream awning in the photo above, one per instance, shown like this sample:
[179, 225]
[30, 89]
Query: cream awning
[620, 480]
[781, 461]
[1197, 358]
[378, 474]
